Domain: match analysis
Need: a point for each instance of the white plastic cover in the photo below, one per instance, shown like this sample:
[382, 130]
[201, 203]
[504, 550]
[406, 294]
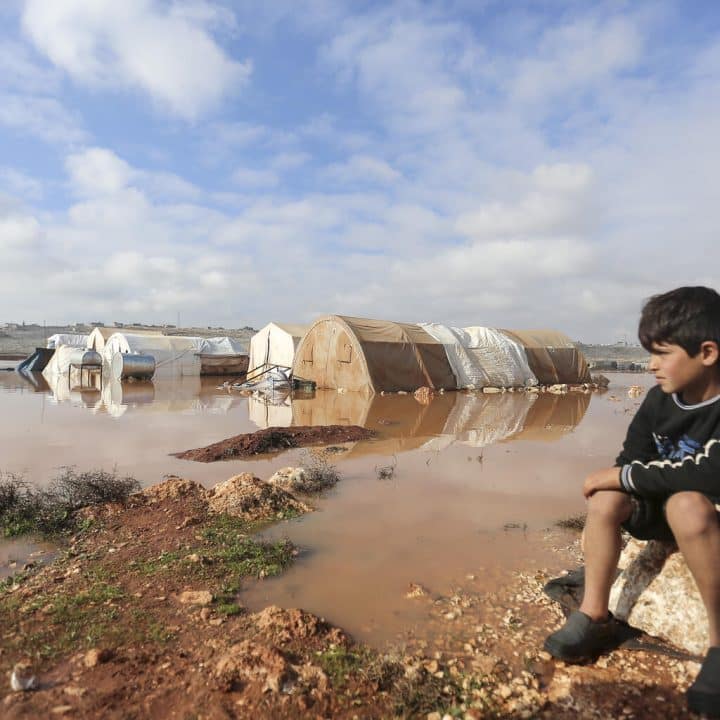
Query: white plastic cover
[73, 340]
[275, 344]
[482, 357]
[174, 355]
[221, 346]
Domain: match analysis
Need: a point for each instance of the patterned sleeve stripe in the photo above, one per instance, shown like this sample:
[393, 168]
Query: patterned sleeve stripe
[626, 479]
[695, 459]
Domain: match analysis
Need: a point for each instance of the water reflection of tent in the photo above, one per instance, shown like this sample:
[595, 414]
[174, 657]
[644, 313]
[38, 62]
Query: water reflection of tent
[552, 356]
[272, 410]
[370, 356]
[552, 416]
[275, 344]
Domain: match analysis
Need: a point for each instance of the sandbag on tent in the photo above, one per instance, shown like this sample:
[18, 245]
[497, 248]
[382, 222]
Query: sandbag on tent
[275, 344]
[552, 356]
[483, 357]
[371, 356]
[69, 339]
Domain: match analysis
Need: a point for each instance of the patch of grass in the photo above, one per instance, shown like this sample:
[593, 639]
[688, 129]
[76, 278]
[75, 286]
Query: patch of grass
[574, 522]
[339, 663]
[25, 509]
[228, 550]
[228, 608]
[160, 564]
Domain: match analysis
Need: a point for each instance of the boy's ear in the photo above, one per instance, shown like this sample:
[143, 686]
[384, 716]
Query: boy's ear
[709, 352]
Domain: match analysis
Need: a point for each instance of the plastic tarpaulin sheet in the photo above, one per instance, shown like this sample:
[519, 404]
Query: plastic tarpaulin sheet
[483, 357]
[221, 346]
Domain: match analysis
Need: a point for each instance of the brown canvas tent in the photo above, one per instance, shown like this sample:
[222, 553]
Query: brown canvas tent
[552, 356]
[371, 356]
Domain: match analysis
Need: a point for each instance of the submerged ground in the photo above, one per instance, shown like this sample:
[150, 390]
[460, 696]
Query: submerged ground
[430, 553]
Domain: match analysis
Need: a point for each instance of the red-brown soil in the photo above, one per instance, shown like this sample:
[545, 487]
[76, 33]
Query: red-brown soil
[137, 620]
[274, 439]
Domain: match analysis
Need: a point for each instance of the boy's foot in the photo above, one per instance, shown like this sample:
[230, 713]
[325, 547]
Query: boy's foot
[581, 638]
[703, 696]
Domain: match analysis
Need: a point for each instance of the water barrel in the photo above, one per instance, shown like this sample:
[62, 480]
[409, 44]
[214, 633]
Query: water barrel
[125, 365]
[86, 358]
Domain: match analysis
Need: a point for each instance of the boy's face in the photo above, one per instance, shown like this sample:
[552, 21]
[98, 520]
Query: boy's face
[676, 372]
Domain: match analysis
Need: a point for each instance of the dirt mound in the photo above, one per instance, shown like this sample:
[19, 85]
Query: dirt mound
[282, 626]
[275, 439]
[172, 488]
[253, 499]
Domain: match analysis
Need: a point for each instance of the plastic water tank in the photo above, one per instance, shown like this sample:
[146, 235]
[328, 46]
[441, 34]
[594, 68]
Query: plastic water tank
[125, 365]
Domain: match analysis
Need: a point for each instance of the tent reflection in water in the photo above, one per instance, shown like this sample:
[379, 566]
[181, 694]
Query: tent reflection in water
[371, 356]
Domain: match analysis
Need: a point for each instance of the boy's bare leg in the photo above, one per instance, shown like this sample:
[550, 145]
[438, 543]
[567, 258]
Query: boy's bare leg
[694, 523]
[607, 510]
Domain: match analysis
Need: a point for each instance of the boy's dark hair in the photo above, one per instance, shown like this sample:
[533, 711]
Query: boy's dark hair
[686, 316]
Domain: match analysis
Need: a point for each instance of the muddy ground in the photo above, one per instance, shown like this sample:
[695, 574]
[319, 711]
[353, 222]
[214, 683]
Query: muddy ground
[274, 439]
[138, 618]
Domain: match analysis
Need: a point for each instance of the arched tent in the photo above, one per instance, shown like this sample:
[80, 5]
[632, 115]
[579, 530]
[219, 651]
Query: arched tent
[371, 356]
[483, 357]
[174, 355]
[275, 344]
[99, 336]
[552, 356]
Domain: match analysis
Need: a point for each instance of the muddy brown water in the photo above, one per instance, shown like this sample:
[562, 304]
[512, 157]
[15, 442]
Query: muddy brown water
[476, 480]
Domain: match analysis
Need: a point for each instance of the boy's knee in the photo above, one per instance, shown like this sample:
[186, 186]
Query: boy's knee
[610, 506]
[690, 513]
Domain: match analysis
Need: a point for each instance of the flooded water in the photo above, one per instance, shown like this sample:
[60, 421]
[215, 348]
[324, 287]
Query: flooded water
[475, 480]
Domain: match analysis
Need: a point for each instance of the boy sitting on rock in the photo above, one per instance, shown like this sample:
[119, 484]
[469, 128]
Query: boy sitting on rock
[666, 481]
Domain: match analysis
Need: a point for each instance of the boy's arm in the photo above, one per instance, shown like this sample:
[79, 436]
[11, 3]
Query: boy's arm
[659, 478]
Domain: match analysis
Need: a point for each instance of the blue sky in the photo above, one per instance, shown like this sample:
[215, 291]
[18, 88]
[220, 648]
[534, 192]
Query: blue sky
[513, 164]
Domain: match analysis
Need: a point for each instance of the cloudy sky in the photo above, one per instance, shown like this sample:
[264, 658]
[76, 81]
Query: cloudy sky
[517, 164]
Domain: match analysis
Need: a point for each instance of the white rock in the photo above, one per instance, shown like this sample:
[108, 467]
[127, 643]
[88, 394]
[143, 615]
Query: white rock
[657, 594]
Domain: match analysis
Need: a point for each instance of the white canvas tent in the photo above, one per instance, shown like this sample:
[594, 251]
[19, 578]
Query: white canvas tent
[275, 344]
[483, 357]
[70, 339]
[99, 336]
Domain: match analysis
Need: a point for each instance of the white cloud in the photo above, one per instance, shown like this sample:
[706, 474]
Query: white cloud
[575, 56]
[250, 179]
[97, 171]
[363, 169]
[40, 116]
[138, 44]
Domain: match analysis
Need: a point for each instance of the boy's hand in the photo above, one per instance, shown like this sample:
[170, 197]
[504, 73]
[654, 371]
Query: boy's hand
[602, 480]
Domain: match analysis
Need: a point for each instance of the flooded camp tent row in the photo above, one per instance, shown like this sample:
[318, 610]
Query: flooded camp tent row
[357, 354]
[275, 345]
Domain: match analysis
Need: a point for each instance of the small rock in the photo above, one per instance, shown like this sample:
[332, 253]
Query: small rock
[96, 656]
[74, 691]
[489, 390]
[195, 597]
[62, 709]
[22, 677]
[635, 391]
[205, 614]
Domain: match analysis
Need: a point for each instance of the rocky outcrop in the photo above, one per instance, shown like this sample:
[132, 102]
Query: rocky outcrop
[656, 593]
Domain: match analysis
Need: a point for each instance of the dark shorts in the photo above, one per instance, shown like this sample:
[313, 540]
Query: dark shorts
[647, 520]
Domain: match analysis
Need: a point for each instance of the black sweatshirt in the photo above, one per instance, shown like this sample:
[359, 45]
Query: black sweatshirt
[672, 447]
